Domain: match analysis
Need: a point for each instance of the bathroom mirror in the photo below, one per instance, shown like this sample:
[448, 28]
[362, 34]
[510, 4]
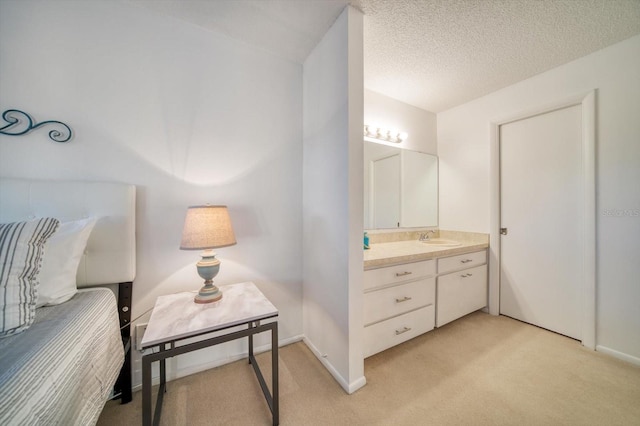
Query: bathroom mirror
[400, 187]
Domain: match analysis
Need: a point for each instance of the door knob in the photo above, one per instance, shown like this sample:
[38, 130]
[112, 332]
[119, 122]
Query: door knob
[503, 231]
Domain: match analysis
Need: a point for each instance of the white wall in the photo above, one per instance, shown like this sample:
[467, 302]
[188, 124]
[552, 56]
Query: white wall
[464, 145]
[186, 115]
[356, 198]
[389, 113]
[332, 200]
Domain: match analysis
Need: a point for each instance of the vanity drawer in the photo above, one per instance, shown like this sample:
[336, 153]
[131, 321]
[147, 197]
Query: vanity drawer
[397, 274]
[385, 334]
[393, 301]
[460, 293]
[461, 261]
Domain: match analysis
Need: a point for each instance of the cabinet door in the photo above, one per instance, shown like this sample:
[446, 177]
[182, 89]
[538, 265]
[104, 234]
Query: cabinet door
[460, 293]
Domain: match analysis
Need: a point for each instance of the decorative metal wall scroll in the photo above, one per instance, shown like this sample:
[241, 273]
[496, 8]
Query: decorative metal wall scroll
[20, 123]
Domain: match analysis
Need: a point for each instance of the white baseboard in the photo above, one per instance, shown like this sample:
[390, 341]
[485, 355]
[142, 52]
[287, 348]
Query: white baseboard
[620, 355]
[348, 387]
[193, 369]
[357, 384]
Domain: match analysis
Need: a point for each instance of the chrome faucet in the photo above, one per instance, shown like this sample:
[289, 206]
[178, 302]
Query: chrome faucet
[425, 236]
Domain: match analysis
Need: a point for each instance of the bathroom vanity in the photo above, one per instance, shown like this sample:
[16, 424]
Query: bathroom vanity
[411, 286]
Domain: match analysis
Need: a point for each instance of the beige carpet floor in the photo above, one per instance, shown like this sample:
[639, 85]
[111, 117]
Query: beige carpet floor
[478, 370]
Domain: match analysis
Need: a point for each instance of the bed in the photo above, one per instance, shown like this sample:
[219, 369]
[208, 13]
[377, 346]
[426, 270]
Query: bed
[75, 353]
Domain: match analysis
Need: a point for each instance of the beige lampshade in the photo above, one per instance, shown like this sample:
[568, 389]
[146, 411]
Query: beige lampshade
[207, 227]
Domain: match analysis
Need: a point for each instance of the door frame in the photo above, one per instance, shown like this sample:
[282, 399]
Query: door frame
[588, 104]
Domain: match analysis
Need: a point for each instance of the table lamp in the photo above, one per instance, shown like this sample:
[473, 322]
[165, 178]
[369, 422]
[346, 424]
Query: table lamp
[205, 228]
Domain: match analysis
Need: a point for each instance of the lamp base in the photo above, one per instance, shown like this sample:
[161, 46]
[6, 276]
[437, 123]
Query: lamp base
[208, 268]
[208, 294]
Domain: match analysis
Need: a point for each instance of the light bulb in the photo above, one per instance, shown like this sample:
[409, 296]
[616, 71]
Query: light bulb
[382, 134]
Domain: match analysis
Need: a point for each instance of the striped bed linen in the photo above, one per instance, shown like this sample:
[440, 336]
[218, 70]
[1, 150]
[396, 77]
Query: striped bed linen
[62, 369]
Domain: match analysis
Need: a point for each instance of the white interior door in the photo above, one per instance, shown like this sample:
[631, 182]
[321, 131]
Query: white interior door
[541, 206]
[386, 192]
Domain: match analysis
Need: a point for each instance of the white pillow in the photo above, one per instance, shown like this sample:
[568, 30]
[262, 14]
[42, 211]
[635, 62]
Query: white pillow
[63, 253]
[22, 247]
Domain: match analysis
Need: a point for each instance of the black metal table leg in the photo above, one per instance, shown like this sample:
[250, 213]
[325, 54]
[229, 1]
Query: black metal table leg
[162, 389]
[146, 392]
[274, 375]
[149, 418]
[251, 325]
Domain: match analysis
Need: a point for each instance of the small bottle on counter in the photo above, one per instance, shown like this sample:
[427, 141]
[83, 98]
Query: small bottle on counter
[366, 241]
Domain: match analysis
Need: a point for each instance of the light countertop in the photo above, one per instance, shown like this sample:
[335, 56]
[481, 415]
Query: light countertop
[398, 252]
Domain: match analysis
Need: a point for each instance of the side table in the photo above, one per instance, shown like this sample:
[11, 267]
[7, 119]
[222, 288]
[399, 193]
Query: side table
[176, 317]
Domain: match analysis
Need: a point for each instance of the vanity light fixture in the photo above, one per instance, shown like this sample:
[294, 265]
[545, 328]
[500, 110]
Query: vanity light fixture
[385, 135]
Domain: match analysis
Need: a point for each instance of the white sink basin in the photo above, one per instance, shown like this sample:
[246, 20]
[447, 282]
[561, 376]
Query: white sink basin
[441, 242]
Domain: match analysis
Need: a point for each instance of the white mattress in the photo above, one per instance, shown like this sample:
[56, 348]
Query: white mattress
[63, 368]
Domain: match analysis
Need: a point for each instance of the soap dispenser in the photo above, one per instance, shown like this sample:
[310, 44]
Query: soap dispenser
[366, 241]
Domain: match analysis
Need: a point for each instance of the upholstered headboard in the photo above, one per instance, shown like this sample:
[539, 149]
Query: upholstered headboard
[110, 256]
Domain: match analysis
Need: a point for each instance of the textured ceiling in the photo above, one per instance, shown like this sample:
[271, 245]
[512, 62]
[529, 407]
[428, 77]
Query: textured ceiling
[436, 54]
[433, 54]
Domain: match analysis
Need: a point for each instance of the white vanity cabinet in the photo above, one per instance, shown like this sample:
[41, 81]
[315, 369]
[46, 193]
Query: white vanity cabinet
[398, 304]
[461, 286]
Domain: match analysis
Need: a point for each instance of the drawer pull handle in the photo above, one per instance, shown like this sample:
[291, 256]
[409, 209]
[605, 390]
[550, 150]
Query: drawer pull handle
[466, 260]
[404, 299]
[402, 274]
[466, 275]
[404, 330]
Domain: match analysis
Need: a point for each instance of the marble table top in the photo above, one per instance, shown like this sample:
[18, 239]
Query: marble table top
[177, 316]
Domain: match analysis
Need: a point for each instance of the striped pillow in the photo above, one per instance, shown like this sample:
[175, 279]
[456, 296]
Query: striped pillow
[21, 252]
